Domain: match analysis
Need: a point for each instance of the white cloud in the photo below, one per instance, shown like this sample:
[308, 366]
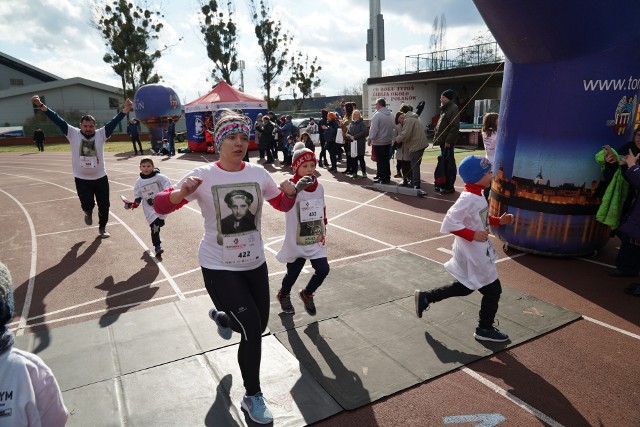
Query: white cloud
[56, 35]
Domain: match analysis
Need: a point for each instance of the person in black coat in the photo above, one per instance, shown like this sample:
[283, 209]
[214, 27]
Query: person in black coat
[38, 138]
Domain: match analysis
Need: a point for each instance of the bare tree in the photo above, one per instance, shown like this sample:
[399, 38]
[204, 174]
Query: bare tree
[127, 30]
[437, 42]
[304, 77]
[355, 89]
[221, 38]
[438, 33]
[484, 50]
[274, 43]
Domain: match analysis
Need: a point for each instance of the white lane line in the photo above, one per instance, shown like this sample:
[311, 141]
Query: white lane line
[446, 251]
[164, 271]
[604, 264]
[430, 239]
[51, 200]
[74, 230]
[364, 236]
[32, 269]
[359, 205]
[172, 282]
[519, 402]
[102, 311]
[384, 209]
[613, 328]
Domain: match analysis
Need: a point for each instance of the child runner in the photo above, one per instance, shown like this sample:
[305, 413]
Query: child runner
[305, 232]
[288, 150]
[150, 183]
[233, 264]
[473, 262]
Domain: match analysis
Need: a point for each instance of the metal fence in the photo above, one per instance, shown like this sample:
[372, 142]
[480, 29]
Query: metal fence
[468, 56]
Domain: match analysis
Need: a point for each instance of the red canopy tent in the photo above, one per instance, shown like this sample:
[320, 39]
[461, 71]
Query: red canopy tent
[199, 113]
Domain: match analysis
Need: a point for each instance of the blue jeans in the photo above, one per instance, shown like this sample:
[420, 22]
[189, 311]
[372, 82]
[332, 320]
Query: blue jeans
[172, 149]
[628, 258]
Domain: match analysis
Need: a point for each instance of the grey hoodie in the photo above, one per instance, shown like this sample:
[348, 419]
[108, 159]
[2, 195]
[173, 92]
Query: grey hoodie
[381, 130]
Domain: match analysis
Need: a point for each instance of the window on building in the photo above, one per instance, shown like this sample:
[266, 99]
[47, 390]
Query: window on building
[16, 82]
[36, 109]
[114, 103]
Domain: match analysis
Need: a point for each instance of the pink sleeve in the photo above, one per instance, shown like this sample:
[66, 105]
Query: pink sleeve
[281, 202]
[163, 206]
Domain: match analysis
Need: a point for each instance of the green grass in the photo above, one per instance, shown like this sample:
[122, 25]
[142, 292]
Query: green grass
[430, 154]
[109, 147]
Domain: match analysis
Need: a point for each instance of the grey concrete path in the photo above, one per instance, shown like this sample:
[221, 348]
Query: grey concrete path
[166, 365]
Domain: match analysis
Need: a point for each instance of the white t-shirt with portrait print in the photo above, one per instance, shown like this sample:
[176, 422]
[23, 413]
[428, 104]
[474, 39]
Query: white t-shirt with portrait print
[236, 251]
[87, 154]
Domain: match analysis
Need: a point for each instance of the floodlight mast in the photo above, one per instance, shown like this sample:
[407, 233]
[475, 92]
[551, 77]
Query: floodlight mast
[375, 39]
[241, 68]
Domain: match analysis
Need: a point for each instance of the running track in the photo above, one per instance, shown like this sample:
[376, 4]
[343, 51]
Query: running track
[584, 374]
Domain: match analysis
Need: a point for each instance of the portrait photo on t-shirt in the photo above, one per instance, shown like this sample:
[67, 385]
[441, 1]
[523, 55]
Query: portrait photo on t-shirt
[87, 147]
[236, 208]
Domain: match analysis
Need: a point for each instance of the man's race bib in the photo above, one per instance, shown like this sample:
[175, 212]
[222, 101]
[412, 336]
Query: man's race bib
[88, 162]
[241, 248]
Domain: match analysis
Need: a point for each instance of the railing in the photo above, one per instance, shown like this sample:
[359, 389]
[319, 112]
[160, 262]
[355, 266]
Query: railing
[468, 56]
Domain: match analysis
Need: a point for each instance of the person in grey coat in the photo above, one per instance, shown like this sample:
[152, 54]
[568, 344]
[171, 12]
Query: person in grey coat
[357, 132]
[380, 135]
[414, 137]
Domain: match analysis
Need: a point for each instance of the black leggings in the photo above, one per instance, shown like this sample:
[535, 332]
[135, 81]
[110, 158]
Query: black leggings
[92, 191]
[488, 306]
[244, 297]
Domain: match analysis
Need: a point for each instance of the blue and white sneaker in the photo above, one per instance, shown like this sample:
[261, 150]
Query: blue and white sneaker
[257, 409]
[224, 331]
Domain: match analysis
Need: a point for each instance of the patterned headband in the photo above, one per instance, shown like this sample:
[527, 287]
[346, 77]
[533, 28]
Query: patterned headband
[229, 125]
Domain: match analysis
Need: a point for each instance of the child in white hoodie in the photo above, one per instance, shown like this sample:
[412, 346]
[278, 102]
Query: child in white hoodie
[29, 393]
[305, 232]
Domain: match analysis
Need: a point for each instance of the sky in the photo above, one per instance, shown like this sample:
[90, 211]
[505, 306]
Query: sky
[57, 36]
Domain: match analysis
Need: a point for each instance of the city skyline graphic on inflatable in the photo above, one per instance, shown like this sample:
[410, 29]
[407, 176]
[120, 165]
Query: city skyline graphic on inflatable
[567, 91]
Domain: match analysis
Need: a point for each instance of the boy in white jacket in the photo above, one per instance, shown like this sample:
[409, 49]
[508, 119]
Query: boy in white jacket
[305, 232]
[150, 183]
[473, 262]
[29, 393]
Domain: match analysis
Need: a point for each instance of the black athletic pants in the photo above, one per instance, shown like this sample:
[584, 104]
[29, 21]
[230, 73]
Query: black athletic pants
[321, 270]
[244, 297]
[92, 191]
[488, 306]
